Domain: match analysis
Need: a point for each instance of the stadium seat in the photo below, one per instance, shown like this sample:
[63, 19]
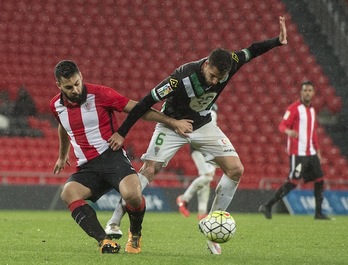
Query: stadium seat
[137, 47]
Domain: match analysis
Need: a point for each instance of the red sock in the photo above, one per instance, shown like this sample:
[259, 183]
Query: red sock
[72, 206]
[138, 209]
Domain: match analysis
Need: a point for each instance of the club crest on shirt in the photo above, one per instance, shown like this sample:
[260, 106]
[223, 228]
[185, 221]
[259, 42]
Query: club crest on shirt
[88, 105]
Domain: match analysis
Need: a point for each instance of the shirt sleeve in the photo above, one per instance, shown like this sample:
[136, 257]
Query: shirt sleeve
[165, 89]
[315, 136]
[243, 56]
[287, 121]
[258, 48]
[112, 99]
[136, 113]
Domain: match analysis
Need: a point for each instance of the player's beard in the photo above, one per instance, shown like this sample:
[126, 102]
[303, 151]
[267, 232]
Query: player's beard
[79, 99]
[306, 100]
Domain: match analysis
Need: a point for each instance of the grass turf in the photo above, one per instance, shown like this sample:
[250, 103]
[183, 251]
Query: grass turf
[52, 237]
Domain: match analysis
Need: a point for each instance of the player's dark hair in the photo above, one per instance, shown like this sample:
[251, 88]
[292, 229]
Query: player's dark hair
[65, 69]
[221, 59]
[310, 83]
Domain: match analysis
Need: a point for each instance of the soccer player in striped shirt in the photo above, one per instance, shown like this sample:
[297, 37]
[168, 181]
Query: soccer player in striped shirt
[87, 120]
[300, 124]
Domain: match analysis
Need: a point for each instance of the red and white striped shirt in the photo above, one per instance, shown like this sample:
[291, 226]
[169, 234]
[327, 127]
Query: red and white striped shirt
[302, 119]
[92, 123]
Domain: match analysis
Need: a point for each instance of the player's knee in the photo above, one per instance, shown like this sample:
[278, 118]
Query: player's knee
[133, 199]
[236, 172]
[67, 195]
[73, 191]
[150, 169]
[207, 178]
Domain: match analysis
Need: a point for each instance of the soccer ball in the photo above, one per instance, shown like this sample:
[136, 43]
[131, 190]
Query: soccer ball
[219, 226]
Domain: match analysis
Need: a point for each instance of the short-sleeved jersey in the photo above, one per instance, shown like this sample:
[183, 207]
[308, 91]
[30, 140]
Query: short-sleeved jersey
[90, 124]
[185, 91]
[302, 119]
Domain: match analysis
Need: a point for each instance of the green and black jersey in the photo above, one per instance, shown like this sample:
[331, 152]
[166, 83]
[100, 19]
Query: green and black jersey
[185, 93]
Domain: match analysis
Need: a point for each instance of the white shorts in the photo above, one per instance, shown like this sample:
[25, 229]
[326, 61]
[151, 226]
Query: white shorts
[208, 139]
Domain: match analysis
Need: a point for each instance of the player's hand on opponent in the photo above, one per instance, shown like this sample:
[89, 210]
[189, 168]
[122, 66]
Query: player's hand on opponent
[183, 127]
[116, 141]
[60, 165]
[282, 34]
[291, 133]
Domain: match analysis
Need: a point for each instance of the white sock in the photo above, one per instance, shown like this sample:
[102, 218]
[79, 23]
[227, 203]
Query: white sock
[203, 199]
[195, 185]
[119, 210]
[143, 181]
[224, 192]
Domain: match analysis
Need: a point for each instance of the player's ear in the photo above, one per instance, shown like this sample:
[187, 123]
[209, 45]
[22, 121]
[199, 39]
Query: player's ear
[205, 65]
[57, 84]
[81, 77]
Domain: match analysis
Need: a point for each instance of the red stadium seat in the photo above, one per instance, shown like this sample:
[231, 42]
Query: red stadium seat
[137, 47]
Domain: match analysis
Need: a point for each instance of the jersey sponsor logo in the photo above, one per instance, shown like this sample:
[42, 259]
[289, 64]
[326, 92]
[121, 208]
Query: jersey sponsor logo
[203, 102]
[235, 57]
[173, 82]
[164, 90]
[226, 145]
[286, 115]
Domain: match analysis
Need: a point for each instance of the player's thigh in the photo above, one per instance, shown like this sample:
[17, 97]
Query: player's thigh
[314, 170]
[298, 167]
[73, 191]
[163, 145]
[211, 141]
[202, 166]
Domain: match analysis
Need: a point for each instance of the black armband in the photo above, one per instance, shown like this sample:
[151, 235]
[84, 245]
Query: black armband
[135, 114]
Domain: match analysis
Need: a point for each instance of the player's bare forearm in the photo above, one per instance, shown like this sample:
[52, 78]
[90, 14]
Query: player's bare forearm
[64, 143]
[182, 127]
[64, 148]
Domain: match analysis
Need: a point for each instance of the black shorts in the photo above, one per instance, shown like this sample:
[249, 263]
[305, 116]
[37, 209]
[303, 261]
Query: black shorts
[307, 168]
[104, 172]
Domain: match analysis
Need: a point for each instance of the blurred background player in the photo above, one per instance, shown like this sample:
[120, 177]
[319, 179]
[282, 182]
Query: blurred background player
[200, 185]
[300, 124]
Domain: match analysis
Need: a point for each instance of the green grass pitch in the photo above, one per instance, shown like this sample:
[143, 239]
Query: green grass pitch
[52, 237]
